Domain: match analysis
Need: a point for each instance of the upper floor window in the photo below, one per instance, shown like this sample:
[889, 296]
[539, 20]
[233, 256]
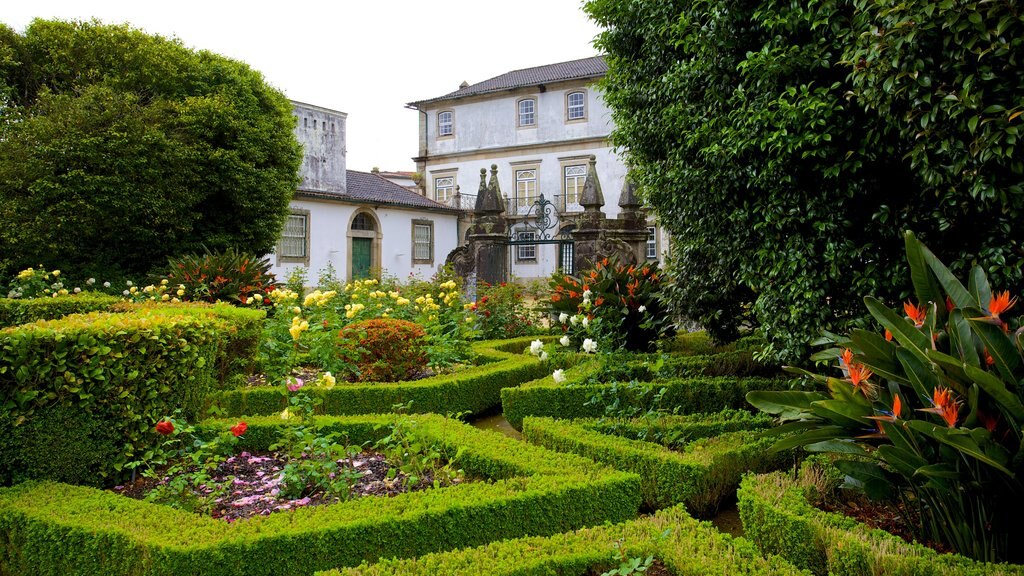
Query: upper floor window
[576, 106]
[526, 187]
[444, 189]
[445, 123]
[526, 251]
[574, 178]
[528, 112]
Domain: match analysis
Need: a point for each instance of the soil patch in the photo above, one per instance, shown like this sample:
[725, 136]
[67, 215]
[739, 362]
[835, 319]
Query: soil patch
[657, 568]
[253, 485]
[891, 517]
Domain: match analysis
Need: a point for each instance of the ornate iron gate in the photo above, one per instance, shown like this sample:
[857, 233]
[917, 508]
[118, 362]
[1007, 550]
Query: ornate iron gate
[540, 227]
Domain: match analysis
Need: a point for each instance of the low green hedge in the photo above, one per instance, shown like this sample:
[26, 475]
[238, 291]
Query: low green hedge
[779, 519]
[14, 311]
[703, 473]
[90, 387]
[474, 390]
[686, 395]
[684, 545]
[50, 528]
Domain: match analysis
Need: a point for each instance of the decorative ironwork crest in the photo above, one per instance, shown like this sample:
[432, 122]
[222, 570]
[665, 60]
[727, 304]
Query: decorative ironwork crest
[541, 219]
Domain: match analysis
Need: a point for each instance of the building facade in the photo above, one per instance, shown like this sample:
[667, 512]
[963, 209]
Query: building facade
[357, 223]
[540, 126]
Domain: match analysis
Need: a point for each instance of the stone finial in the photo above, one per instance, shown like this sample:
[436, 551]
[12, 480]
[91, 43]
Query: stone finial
[494, 185]
[488, 200]
[592, 198]
[628, 200]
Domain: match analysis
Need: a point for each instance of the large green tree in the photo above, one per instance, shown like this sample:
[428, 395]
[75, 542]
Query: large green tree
[119, 148]
[787, 145]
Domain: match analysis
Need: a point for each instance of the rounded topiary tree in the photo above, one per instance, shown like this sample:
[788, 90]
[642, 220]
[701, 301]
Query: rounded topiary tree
[386, 349]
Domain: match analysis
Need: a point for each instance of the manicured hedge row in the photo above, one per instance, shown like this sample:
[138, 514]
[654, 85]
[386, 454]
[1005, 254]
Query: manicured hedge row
[50, 528]
[684, 545]
[778, 518]
[689, 395]
[14, 311]
[80, 395]
[676, 431]
[702, 474]
[473, 390]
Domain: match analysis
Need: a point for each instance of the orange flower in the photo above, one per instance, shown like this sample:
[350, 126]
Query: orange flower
[598, 301]
[847, 357]
[1000, 303]
[554, 298]
[915, 313]
[574, 294]
[897, 406]
[949, 304]
[859, 375]
[989, 360]
[888, 335]
[944, 405]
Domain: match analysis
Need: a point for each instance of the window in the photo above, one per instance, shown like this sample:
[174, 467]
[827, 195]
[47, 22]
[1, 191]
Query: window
[422, 242]
[526, 251]
[526, 187]
[444, 189]
[362, 222]
[576, 106]
[445, 123]
[527, 112]
[652, 243]
[574, 177]
[294, 237]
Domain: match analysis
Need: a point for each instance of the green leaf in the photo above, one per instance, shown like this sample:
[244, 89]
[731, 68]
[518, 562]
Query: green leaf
[977, 285]
[787, 404]
[866, 476]
[926, 287]
[802, 372]
[938, 471]
[842, 412]
[878, 354]
[837, 447]
[966, 444]
[919, 373]
[960, 296]
[903, 331]
[903, 461]
[962, 338]
[999, 346]
[810, 437]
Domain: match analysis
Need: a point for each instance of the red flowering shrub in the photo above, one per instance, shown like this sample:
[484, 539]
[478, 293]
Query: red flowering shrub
[386, 349]
[228, 276]
[502, 312]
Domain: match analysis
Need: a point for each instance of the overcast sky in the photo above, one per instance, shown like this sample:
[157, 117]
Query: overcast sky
[365, 58]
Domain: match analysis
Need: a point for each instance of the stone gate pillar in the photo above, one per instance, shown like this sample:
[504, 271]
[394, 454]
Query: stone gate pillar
[488, 237]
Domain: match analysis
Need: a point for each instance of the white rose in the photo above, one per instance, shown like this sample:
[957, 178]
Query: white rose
[642, 309]
[589, 346]
[563, 317]
[586, 322]
[559, 376]
[575, 320]
[564, 341]
[536, 347]
[106, 284]
[543, 356]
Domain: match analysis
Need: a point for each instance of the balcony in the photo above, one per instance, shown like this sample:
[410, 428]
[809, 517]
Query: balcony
[461, 202]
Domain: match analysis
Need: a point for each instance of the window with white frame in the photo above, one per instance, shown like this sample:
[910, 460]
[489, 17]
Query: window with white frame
[445, 123]
[294, 238]
[652, 243]
[527, 112]
[573, 177]
[526, 251]
[526, 187]
[422, 242]
[444, 189]
[576, 106]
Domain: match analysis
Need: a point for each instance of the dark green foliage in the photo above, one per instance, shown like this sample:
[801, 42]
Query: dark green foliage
[684, 545]
[14, 311]
[786, 146]
[229, 276]
[700, 472]
[778, 518]
[118, 149]
[534, 492]
[683, 396]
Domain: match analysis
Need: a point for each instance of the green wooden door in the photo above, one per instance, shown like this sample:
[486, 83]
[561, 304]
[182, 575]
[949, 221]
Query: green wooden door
[361, 257]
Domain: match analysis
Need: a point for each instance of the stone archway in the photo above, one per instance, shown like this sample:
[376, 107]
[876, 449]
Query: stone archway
[364, 241]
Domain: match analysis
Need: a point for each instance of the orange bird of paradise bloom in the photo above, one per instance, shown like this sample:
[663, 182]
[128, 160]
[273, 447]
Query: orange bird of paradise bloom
[897, 406]
[915, 313]
[859, 375]
[847, 357]
[944, 405]
[1000, 303]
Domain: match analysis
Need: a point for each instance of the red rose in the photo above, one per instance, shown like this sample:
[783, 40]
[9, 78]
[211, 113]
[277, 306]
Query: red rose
[165, 427]
[239, 429]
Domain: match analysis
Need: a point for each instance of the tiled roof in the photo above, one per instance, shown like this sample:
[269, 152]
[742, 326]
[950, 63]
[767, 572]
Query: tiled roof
[593, 67]
[368, 188]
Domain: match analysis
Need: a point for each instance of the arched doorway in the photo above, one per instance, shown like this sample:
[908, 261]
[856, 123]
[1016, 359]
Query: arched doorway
[363, 245]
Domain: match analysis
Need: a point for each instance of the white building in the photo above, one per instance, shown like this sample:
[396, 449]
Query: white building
[540, 126]
[357, 222]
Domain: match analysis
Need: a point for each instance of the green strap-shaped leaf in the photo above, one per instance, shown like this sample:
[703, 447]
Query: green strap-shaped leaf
[999, 346]
[938, 471]
[977, 285]
[926, 287]
[843, 413]
[810, 437]
[992, 386]
[867, 476]
[878, 354]
[960, 296]
[786, 404]
[903, 331]
[966, 444]
[843, 390]
[906, 462]
[837, 447]
[962, 338]
[919, 373]
[802, 372]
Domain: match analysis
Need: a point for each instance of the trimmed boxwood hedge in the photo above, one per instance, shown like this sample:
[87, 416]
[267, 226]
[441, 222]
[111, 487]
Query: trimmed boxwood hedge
[702, 473]
[51, 528]
[777, 516]
[684, 545]
[688, 395]
[80, 394]
[474, 390]
[14, 311]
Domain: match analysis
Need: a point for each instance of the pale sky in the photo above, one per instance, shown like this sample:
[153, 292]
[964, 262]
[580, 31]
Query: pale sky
[365, 58]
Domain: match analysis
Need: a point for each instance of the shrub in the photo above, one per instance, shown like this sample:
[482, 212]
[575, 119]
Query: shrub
[229, 276]
[623, 299]
[15, 311]
[502, 313]
[940, 423]
[388, 350]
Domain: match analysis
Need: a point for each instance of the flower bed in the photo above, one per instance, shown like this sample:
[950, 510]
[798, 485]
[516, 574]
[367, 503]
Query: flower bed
[475, 389]
[544, 397]
[703, 471]
[778, 517]
[55, 528]
[684, 545]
